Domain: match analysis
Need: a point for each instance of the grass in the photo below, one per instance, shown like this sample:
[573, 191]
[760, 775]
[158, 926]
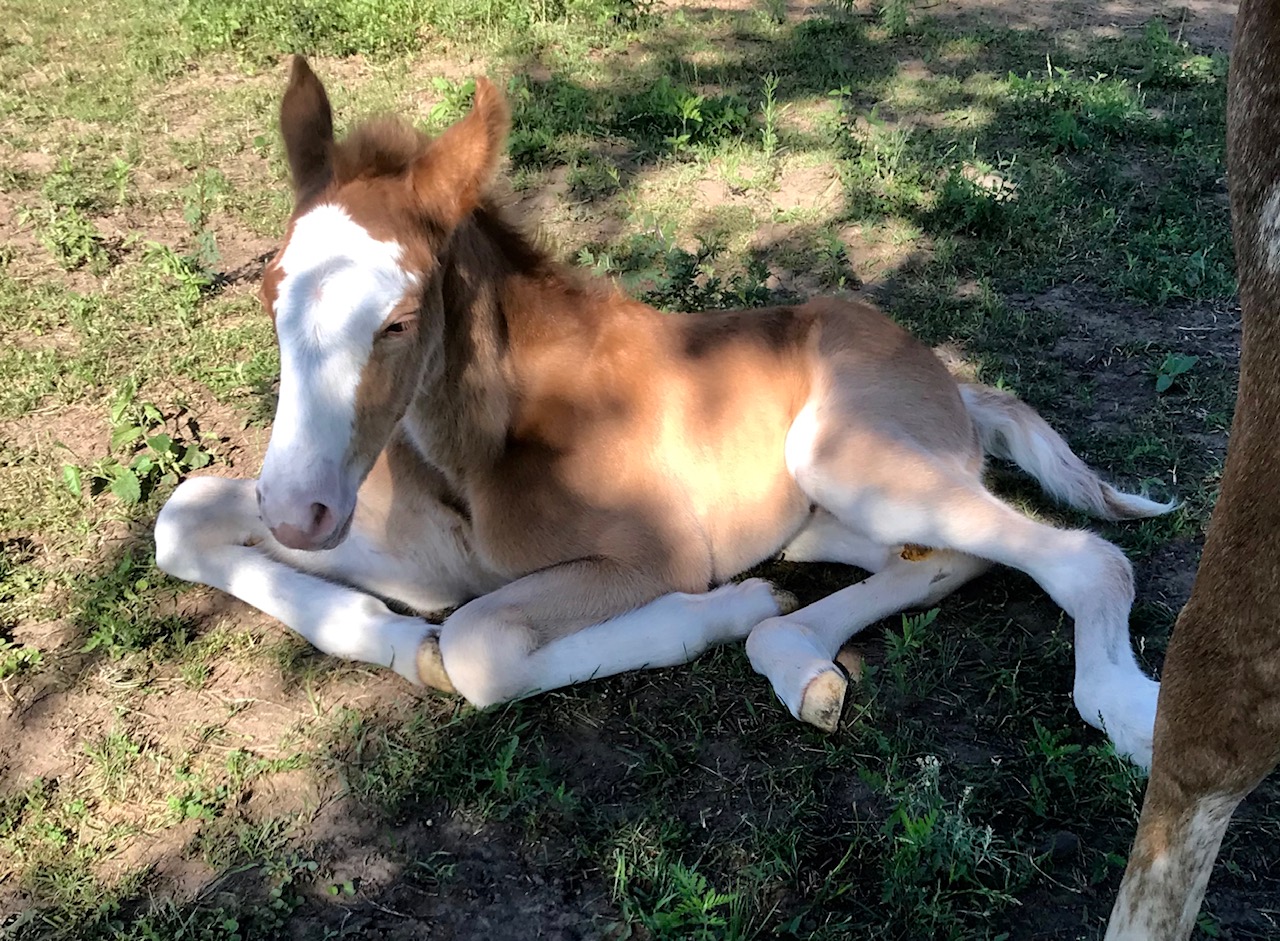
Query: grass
[179, 768]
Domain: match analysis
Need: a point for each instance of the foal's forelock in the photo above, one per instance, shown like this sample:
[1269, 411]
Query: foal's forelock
[335, 287]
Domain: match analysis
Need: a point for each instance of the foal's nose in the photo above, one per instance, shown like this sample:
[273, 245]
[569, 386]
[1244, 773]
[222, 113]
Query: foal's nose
[310, 536]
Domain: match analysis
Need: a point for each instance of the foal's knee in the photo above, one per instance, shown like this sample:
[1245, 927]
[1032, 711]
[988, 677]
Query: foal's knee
[196, 518]
[485, 650]
[1092, 575]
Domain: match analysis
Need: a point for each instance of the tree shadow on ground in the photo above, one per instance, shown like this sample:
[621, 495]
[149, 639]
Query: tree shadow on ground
[595, 812]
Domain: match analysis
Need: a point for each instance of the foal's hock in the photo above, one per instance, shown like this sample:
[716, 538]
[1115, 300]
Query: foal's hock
[462, 420]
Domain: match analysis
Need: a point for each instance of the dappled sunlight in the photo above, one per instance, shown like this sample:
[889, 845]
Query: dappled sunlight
[1039, 183]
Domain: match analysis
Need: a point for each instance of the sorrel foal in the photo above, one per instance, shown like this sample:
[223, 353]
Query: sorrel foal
[463, 420]
[1218, 727]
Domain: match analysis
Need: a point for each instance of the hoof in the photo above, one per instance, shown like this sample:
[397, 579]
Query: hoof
[823, 700]
[853, 661]
[786, 601]
[431, 665]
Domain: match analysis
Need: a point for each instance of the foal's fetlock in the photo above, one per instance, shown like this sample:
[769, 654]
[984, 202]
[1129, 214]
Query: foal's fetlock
[431, 670]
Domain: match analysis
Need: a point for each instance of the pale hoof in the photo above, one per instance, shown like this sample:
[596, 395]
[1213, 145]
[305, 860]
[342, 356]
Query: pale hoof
[853, 661]
[786, 601]
[431, 665]
[823, 700]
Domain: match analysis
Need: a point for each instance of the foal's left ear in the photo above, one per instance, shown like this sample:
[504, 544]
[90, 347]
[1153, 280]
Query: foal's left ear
[451, 176]
[306, 123]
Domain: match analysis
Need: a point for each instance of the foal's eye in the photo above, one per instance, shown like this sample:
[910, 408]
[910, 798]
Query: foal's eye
[400, 326]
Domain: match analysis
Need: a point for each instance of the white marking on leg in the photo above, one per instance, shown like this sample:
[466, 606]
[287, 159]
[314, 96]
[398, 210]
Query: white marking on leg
[1269, 229]
[487, 656]
[200, 536]
[1162, 899]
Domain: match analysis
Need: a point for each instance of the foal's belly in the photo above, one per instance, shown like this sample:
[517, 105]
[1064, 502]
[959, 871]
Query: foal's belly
[745, 533]
[735, 481]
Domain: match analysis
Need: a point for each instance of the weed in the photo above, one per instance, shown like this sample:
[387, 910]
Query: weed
[669, 899]
[144, 457]
[73, 240]
[681, 120]
[769, 117]
[112, 758]
[17, 659]
[1171, 367]
[941, 867]
[894, 16]
[115, 611]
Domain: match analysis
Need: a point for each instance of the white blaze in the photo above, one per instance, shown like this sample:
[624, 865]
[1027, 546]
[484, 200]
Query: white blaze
[1269, 229]
[338, 285]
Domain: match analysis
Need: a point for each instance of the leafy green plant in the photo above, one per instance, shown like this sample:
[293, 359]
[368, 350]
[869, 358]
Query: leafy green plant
[455, 98]
[941, 866]
[144, 456]
[680, 118]
[769, 115]
[894, 16]
[17, 659]
[1171, 367]
[116, 611]
[70, 237]
[668, 898]
[904, 648]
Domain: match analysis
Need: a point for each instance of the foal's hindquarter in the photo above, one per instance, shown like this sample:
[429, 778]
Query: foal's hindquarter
[580, 472]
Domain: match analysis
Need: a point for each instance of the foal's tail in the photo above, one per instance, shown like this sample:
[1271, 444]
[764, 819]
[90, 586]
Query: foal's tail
[1010, 429]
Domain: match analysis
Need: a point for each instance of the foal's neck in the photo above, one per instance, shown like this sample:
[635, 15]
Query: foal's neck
[461, 414]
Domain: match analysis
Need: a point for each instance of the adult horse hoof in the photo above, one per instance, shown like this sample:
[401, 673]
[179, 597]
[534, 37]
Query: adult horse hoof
[431, 665]
[823, 700]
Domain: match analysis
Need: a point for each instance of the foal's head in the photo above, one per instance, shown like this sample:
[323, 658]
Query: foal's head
[355, 294]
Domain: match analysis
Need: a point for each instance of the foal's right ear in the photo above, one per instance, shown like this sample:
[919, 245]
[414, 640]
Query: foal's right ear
[306, 122]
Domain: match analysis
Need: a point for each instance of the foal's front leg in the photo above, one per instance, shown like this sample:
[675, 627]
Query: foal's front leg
[210, 532]
[588, 619]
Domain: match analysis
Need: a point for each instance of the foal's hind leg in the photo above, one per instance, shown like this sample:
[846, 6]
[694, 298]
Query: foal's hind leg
[905, 495]
[796, 651]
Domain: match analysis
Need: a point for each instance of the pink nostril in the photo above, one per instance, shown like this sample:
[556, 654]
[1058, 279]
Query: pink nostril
[312, 537]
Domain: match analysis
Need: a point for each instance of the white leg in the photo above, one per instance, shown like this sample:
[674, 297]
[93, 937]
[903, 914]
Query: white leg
[825, 539]
[209, 532]
[1087, 576]
[796, 651]
[494, 649]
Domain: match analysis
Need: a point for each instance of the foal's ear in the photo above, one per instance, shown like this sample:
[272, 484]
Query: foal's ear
[451, 176]
[306, 122]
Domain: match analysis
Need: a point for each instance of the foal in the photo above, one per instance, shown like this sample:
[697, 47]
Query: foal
[463, 420]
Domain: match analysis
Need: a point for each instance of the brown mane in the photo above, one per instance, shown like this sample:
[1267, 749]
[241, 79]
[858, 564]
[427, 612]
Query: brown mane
[389, 146]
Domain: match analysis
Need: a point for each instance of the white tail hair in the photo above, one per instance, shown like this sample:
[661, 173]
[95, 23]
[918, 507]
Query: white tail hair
[1011, 429]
